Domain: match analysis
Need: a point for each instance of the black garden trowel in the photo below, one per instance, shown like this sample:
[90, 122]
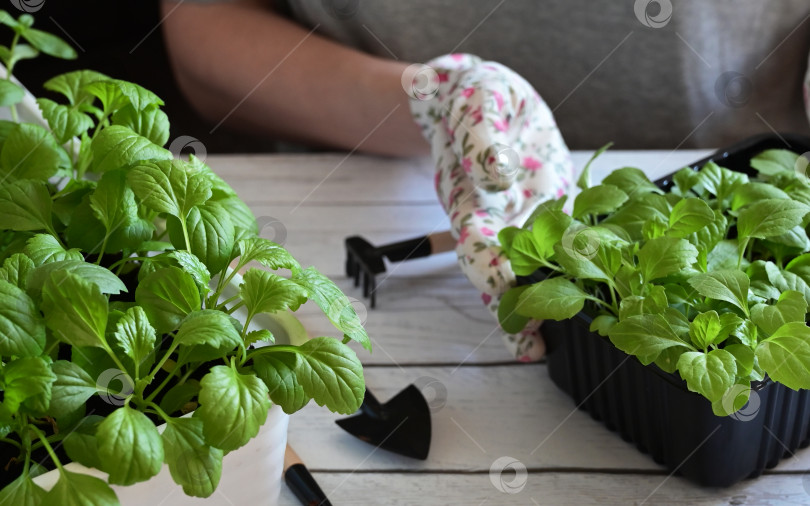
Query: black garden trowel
[401, 425]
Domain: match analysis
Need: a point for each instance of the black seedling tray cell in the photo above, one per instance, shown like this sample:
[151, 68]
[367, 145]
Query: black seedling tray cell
[654, 409]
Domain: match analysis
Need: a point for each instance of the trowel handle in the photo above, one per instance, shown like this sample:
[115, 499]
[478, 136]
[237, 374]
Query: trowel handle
[371, 406]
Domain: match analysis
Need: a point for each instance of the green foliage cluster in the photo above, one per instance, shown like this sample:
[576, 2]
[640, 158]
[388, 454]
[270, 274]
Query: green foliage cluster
[710, 279]
[114, 257]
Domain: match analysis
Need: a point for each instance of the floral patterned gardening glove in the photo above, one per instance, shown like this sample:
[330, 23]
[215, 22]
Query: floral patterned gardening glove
[498, 153]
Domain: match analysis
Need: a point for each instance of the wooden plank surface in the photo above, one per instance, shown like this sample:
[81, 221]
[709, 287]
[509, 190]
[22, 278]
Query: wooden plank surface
[553, 489]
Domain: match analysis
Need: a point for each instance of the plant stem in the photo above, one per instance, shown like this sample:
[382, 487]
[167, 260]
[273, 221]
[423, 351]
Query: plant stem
[742, 247]
[160, 412]
[114, 357]
[47, 445]
[11, 442]
[162, 361]
[103, 247]
[162, 384]
[185, 233]
[127, 259]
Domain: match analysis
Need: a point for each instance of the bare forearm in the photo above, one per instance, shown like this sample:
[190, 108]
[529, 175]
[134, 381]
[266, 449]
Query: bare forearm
[261, 71]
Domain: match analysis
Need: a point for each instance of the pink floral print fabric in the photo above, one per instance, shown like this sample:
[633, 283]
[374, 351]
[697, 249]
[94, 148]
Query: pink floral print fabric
[498, 153]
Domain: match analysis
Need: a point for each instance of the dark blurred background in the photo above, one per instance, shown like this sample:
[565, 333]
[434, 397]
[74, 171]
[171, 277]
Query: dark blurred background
[124, 40]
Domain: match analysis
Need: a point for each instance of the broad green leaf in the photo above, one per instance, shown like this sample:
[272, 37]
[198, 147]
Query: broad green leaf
[168, 295]
[210, 233]
[169, 186]
[553, 204]
[150, 122]
[75, 309]
[720, 181]
[25, 205]
[265, 292]
[524, 255]
[598, 200]
[22, 329]
[632, 216]
[773, 161]
[770, 217]
[552, 299]
[709, 374]
[785, 356]
[113, 202]
[88, 233]
[330, 373]
[116, 94]
[192, 265]
[64, 121]
[81, 443]
[685, 179]
[71, 389]
[548, 229]
[584, 254]
[754, 192]
[510, 320]
[44, 248]
[277, 370]
[117, 147]
[728, 285]
[31, 152]
[785, 280]
[48, 43]
[72, 85]
[135, 335]
[194, 465]
[22, 492]
[210, 327]
[233, 407]
[334, 304]
[655, 227]
[634, 305]
[27, 382]
[602, 324]
[664, 256]
[631, 181]
[261, 335]
[129, 446]
[733, 400]
[706, 330]
[76, 489]
[791, 307]
[645, 336]
[744, 355]
[17, 270]
[267, 253]
[102, 278]
[689, 216]
[10, 93]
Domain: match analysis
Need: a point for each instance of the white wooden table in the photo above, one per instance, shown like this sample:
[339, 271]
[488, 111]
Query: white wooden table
[431, 327]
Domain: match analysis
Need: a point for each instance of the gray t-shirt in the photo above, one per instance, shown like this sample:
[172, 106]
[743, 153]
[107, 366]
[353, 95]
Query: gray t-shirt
[689, 74]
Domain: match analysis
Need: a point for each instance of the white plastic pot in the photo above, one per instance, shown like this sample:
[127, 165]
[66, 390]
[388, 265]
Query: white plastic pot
[250, 475]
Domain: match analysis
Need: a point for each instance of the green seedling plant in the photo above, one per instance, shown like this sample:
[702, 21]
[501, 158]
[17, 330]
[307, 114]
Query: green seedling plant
[115, 258]
[710, 279]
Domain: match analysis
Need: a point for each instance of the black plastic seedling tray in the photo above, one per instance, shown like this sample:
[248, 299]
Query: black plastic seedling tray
[655, 411]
